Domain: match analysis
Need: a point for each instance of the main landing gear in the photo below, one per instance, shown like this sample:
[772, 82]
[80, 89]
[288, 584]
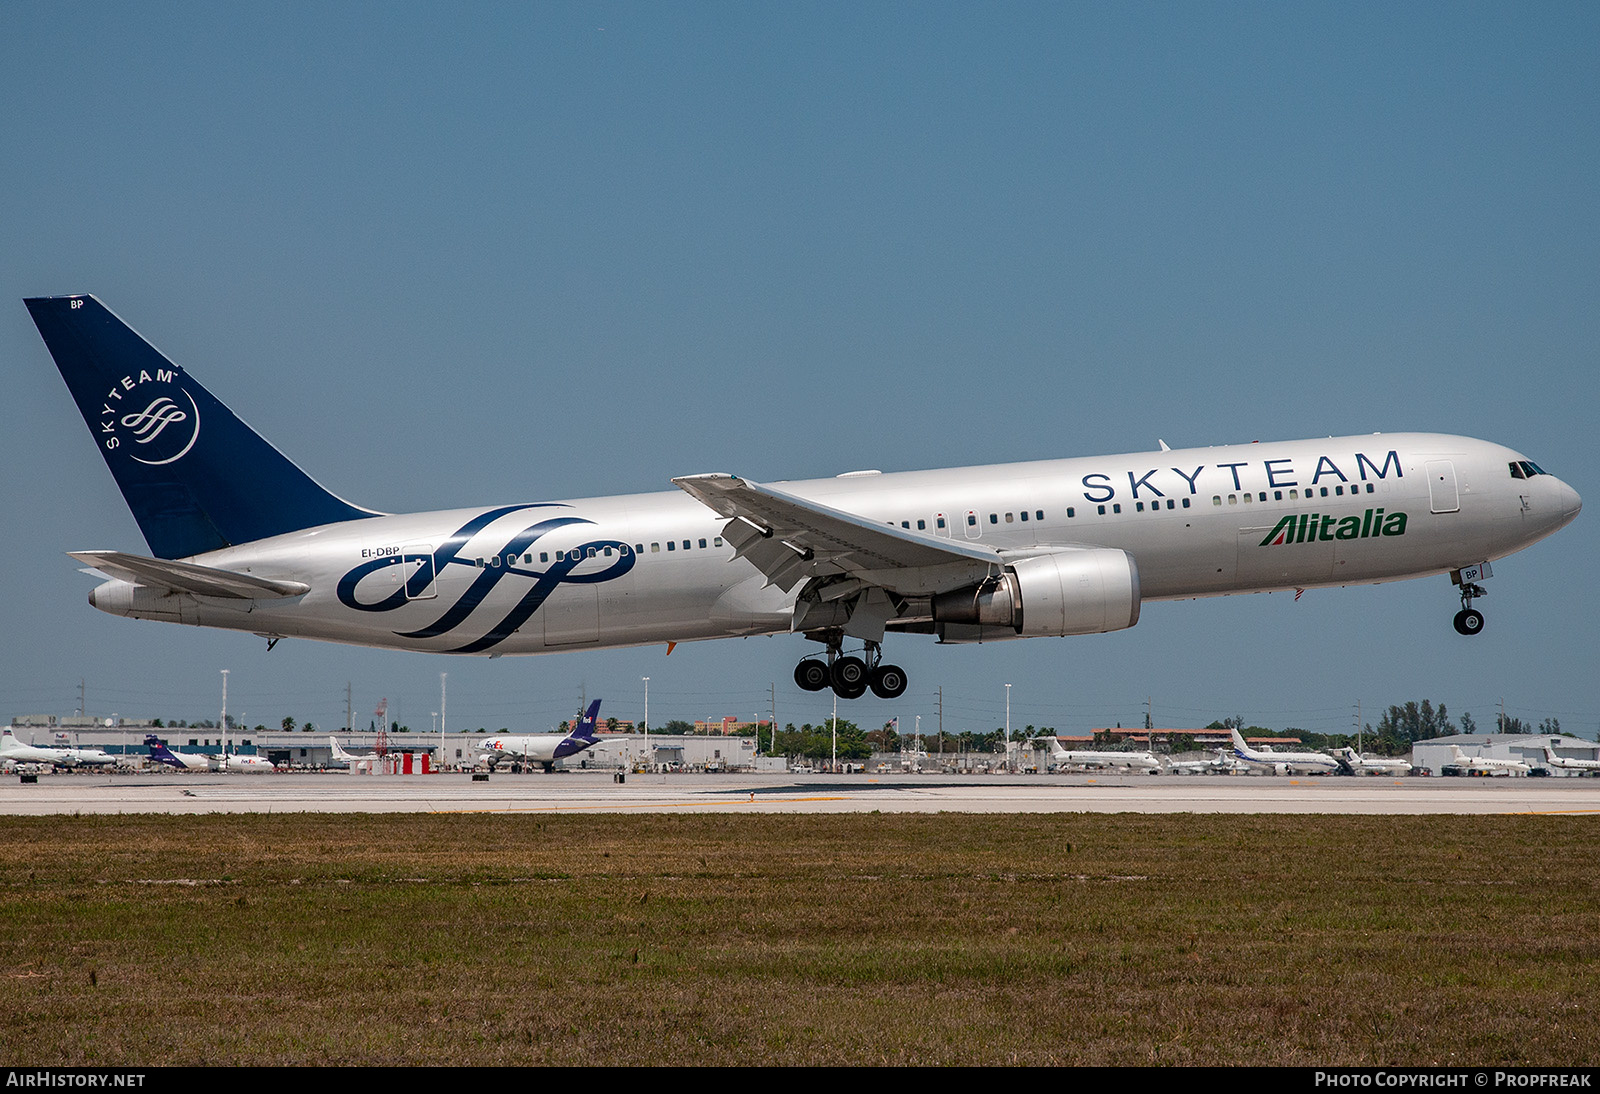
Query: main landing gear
[850, 677]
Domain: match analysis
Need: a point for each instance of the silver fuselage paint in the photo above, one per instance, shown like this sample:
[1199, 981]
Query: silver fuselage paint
[1197, 522]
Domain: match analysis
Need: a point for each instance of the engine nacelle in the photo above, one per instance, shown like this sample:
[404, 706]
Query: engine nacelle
[1068, 592]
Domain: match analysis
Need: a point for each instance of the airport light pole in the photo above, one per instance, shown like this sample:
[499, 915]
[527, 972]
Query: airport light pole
[646, 680]
[224, 720]
[442, 676]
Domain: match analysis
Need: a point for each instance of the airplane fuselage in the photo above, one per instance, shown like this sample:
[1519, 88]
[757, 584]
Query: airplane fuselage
[242, 539]
[649, 568]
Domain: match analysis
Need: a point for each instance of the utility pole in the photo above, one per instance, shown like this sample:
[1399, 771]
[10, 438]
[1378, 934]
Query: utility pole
[835, 731]
[349, 714]
[224, 719]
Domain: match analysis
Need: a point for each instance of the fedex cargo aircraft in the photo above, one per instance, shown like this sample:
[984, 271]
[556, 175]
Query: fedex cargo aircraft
[240, 538]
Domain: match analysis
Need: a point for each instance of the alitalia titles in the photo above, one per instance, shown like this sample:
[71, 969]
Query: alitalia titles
[1310, 527]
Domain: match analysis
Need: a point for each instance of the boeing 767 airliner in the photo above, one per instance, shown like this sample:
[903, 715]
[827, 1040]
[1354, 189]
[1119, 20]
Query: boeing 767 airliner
[242, 539]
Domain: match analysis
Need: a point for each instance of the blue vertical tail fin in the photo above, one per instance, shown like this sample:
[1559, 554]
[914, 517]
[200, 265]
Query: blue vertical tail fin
[159, 751]
[196, 477]
[586, 724]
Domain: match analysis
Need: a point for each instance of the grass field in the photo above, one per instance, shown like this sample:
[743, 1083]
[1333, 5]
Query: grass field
[864, 939]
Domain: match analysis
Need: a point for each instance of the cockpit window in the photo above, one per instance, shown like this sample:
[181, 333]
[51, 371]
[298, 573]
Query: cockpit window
[1526, 469]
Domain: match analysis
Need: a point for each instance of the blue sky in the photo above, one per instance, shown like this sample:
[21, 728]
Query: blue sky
[455, 255]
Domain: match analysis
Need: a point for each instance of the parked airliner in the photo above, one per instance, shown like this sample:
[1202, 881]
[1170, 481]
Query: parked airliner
[543, 748]
[242, 539]
[182, 761]
[13, 751]
[1145, 761]
[1354, 763]
[1284, 763]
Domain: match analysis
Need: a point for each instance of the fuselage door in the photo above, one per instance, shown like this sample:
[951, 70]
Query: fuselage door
[1442, 494]
[418, 572]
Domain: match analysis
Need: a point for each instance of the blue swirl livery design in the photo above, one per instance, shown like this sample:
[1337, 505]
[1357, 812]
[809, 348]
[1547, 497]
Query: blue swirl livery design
[511, 565]
[242, 539]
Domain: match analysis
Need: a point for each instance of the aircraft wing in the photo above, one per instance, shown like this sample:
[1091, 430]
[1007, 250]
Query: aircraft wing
[186, 577]
[789, 538]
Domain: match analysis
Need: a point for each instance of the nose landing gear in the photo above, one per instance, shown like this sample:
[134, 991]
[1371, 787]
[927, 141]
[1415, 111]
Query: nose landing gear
[1469, 620]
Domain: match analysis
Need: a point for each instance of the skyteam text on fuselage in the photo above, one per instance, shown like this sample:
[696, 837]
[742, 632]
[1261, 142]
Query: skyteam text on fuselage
[242, 539]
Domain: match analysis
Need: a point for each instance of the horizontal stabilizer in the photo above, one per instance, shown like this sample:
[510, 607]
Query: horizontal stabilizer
[186, 577]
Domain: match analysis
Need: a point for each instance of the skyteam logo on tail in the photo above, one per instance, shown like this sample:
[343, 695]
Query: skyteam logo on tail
[1309, 527]
[155, 425]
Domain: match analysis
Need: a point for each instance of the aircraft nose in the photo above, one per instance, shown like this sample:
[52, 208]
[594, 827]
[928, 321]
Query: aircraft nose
[1570, 503]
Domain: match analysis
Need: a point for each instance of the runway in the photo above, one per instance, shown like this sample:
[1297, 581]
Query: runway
[597, 792]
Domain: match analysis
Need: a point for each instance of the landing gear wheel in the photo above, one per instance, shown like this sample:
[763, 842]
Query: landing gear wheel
[849, 677]
[811, 674]
[889, 681]
[1469, 621]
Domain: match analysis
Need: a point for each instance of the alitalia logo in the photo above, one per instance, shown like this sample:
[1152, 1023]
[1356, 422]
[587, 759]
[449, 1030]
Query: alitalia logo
[1306, 527]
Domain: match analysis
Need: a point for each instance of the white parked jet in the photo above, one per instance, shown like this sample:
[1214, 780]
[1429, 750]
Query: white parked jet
[1570, 763]
[13, 751]
[1131, 761]
[1223, 763]
[543, 748]
[341, 756]
[242, 539]
[1486, 765]
[1284, 763]
[1358, 764]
